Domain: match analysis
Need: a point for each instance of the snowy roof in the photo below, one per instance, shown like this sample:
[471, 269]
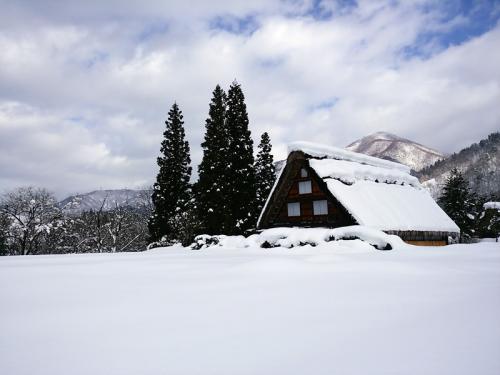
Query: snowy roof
[330, 152]
[391, 206]
[377, 193]
[350, 172]
[492, 206]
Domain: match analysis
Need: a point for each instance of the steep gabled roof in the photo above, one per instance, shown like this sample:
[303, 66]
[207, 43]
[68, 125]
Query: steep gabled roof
[377, 193]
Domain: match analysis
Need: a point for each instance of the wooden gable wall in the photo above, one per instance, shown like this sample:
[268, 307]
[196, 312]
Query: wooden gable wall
[289, 193]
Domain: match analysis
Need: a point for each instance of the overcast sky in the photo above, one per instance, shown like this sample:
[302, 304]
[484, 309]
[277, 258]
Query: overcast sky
[85, 86]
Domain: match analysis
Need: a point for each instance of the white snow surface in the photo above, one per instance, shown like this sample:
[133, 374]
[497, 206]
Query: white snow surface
[492, 205]
[350, 172]
[391, 206]
[337, 308]
[319, 150]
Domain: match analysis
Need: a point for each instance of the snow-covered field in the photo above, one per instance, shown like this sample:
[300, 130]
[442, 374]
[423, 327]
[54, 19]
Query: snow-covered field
[339, 308]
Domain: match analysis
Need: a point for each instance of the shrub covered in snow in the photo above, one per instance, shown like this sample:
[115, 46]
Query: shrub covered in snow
[294, 237]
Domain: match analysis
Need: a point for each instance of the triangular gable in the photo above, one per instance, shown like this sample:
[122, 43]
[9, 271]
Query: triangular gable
[286, 191]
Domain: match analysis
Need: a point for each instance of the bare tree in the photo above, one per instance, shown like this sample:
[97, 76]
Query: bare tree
[4, 227]
[121, 228]
[32, 214]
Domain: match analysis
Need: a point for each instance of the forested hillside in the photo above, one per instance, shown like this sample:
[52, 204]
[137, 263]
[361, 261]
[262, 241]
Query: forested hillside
[479, 164]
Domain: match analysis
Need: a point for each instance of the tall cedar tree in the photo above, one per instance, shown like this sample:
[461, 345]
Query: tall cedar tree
[458, 202]
[171, 191]
[241, 194]
[264, 171]
[211, 188]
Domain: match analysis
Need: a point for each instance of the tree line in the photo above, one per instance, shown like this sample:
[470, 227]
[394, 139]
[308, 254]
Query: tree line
[32, 222]
[232, 185]
[227, 198]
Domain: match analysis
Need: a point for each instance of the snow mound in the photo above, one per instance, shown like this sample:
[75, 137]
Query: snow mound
[324, 151]
[294, 237]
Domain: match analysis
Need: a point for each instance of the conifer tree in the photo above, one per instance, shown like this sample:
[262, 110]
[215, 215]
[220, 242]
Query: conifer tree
[211, 188]
[241, 194]
[458, 202]
[264, 171]
[171, 191]
[489, 220]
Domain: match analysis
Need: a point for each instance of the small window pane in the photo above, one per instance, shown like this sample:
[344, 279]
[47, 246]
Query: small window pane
[294, 209]
[305, 187]
[303, 172]
[320, 207]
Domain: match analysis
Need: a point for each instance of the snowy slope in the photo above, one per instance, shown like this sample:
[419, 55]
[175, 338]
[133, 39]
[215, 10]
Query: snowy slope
[391, 147]
[479, 163]
[340, 309]
[76, 204]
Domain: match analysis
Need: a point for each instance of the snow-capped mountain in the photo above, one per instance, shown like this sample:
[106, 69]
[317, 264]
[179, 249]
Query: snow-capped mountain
[391, 147]
[107, 199]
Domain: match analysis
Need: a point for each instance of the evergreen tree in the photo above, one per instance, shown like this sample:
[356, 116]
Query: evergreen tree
[489, 223]
[458, 202]
[264, 171]
[241, 193]
[212, 187]
[171, 191]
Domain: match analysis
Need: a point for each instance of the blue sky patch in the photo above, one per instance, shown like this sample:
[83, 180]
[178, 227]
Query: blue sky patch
[153, 29]
[460, 21]
[235, 25]
[326, 104]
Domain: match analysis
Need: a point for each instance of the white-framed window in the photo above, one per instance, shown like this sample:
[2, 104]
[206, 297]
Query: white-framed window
[320, 207]
[303, 172]
[305, 187]
[294, 209]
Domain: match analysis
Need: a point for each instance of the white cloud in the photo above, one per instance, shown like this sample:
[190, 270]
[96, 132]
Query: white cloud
[92, 84]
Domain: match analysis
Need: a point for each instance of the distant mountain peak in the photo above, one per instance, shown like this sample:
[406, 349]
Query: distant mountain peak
[384, 136]
[107, 199]
[392, 147]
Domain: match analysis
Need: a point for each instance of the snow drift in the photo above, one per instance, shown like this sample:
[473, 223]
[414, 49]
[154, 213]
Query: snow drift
[293, 237]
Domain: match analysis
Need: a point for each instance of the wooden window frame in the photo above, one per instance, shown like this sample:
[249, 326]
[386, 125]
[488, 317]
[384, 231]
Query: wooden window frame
[301, 183]
[295, 204]
[323, 209]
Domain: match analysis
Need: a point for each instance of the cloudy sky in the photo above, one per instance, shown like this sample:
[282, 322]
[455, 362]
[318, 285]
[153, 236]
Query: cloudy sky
[85, 86]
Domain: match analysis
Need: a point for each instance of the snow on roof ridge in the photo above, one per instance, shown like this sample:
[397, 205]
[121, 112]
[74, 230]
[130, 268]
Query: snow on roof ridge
[319, 150]
[350, 172]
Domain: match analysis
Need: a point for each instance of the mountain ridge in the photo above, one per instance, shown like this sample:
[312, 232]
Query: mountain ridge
[107, 199]
[478, 162]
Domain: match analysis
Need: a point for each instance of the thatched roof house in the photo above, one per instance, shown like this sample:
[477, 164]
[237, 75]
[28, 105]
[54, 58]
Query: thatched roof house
[327, 186]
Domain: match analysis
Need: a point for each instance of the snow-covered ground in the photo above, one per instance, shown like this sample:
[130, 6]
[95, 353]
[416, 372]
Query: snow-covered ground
[338, 308]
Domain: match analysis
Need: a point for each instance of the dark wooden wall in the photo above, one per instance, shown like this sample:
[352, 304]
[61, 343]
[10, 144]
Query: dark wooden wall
[336, 213]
